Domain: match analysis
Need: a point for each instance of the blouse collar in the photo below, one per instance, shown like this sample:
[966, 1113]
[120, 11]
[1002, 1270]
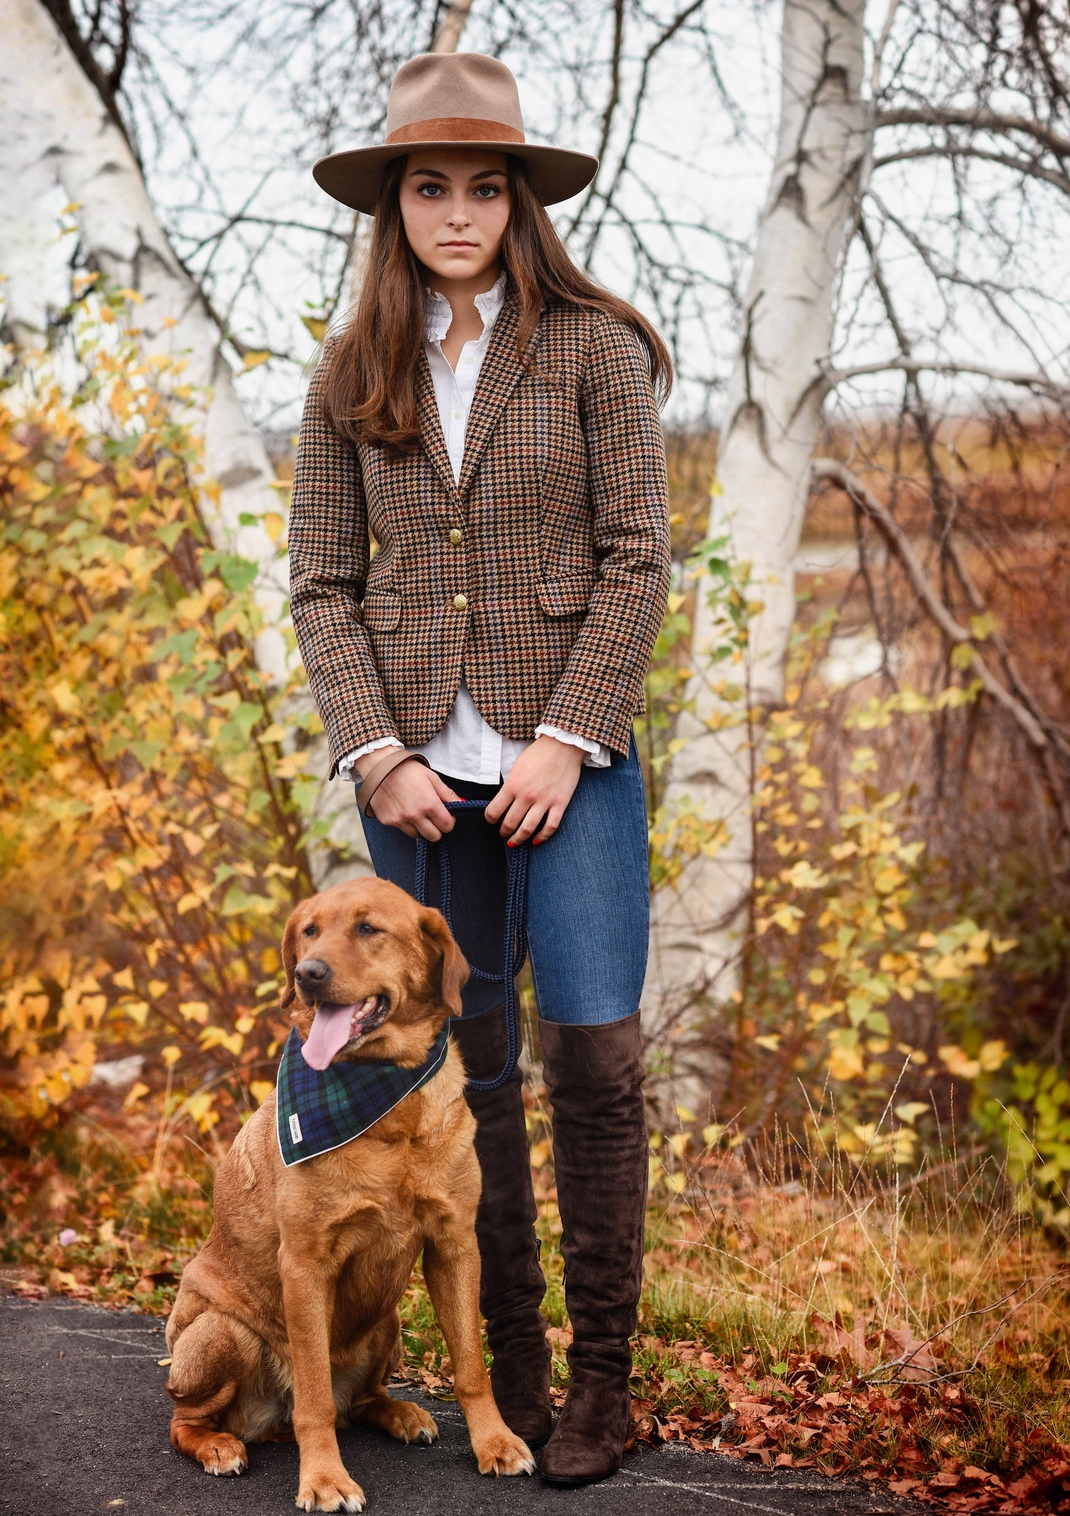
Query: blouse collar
[439, 314]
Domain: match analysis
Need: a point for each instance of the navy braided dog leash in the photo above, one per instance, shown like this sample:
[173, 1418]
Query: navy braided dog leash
[516, 931]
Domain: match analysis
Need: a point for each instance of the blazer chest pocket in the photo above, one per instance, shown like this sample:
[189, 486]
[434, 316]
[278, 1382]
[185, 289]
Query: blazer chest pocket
[568, 595]
[381, 611]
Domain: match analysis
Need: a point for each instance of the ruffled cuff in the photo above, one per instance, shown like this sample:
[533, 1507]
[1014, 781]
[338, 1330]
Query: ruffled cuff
[598, 755]
[346, 771]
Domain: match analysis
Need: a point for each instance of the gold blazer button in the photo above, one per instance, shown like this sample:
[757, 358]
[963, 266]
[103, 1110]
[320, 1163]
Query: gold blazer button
[459, 602]
[456, 535]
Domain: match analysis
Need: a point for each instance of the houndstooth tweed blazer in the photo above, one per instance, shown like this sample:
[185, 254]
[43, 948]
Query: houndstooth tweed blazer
[540, 577]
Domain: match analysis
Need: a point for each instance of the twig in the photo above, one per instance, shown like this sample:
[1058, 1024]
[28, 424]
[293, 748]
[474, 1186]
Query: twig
[983, 1310]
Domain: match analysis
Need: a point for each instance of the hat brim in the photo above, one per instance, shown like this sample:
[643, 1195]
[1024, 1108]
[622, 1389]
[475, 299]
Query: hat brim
[354, 177]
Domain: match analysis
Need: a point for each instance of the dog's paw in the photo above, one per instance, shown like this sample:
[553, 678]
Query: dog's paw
[330, 1492]
[221, 1453]
[503, 1453]
[408, 1422]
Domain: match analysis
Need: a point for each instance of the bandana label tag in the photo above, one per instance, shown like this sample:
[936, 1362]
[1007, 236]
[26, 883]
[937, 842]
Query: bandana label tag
[295, 1127]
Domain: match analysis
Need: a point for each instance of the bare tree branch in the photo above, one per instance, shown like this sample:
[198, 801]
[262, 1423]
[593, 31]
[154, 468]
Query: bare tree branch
[1036, 382]
[950, 151]
[980, 120]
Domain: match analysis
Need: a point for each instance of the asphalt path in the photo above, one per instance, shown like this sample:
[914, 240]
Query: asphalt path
[83, 1432]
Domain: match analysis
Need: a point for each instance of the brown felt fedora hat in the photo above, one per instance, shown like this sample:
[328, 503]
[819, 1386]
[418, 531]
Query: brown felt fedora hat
[452, 100]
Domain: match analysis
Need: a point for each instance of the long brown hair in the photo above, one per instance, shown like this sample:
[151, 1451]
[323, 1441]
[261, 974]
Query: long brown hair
[370, 394]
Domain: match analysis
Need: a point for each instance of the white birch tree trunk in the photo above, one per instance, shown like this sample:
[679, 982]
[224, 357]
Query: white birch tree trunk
[58, 145]
[773, 409]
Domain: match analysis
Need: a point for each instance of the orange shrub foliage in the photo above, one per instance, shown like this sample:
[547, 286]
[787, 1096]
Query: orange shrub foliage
[152, 833]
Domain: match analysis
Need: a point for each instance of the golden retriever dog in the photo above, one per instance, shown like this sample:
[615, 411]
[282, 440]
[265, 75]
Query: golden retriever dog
[287, 1317]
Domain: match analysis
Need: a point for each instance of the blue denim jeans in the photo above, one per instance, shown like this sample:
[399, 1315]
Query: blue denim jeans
[588, 896]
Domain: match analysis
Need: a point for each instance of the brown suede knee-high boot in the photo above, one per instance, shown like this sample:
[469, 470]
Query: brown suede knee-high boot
[511, 1279]
[595, 1080]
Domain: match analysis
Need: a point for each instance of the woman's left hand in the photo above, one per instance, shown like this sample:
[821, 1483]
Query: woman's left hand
[540, 785]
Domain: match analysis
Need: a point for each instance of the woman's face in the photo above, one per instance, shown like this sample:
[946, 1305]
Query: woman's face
[455, 207]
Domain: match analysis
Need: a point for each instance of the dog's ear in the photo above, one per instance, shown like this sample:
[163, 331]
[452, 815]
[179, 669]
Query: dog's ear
[289, 958]
[449, 973]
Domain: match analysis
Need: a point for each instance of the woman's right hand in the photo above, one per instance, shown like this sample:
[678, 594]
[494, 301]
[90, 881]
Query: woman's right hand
[411, 799]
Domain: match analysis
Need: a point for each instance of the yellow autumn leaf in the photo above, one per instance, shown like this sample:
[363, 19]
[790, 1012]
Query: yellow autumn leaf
[124, 979]
[911, 1110]
[959, 1063]
[803, 876]
[200, 1109]
[260, 1089]
[947, 967]
[136, 1093]
[292, 764]
[216, 1036]
[788, 917]
[255, 359]
[845, 1063]
[993, 1056]
[158, 987]
[194, 1010]
[171, 1054]
[771, 1041]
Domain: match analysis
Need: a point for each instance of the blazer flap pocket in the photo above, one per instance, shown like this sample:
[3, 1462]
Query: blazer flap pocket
[568, 595]
[381, 610]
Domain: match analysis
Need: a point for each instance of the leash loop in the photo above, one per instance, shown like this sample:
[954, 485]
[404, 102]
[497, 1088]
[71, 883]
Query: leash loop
[516, 930]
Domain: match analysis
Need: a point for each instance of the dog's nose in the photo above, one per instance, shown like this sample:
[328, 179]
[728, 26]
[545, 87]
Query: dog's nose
[312, 974]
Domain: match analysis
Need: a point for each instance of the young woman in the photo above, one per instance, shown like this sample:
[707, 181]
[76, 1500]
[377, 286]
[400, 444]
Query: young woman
[489, 419]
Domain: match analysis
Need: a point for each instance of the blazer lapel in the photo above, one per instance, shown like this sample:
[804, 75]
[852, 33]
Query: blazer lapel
[434, 442]
[501, 372]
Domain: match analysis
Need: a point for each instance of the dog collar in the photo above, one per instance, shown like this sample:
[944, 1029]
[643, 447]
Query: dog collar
[320, 1110]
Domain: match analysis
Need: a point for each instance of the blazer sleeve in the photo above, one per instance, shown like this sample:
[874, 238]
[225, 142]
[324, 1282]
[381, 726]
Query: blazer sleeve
[601, 689]
[329, 551]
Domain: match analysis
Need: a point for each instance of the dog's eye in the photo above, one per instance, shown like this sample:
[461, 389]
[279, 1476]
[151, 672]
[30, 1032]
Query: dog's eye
[310, 931]
[365, 929]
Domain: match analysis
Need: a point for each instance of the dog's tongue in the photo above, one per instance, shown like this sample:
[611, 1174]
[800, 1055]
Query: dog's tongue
[329, 1035]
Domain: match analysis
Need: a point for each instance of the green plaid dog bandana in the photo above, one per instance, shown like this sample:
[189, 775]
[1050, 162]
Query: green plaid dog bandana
[319, 1110]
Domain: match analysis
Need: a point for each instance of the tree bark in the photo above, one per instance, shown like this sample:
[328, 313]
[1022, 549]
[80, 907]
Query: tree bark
[774, 403]
[56, 133]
